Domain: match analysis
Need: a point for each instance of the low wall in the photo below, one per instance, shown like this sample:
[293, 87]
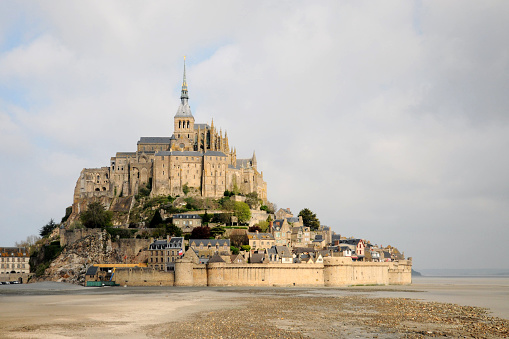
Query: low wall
[139, 276]
[19, 277]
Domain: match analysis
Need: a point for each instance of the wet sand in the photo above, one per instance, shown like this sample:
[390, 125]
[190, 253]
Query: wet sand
[56, 310]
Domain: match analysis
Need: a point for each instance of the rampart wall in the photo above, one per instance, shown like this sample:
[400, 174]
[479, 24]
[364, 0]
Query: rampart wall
[334, 272]
[143, 276]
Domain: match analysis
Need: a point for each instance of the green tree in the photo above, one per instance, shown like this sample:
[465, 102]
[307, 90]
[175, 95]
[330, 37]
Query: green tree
[235, 250]
[185, 189]
[252, 200]
[309, 218]
[48, 228]
[96, 216]
[206, 218]
[241, 211]
[245, 248]
[264, 225]
[173, 230]
[156, 220]
[202, 232]
[222, 218]
[218, 230]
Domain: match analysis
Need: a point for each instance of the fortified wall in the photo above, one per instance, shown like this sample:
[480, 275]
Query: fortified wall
[334, 272]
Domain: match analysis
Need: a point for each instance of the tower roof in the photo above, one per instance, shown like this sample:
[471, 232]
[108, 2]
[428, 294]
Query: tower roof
[184, 110]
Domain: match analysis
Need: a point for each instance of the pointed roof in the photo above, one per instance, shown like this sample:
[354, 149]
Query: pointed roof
[253, 159]
[216, 258]
[184, 109]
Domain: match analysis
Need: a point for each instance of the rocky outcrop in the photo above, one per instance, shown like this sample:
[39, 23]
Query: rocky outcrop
[72, 263]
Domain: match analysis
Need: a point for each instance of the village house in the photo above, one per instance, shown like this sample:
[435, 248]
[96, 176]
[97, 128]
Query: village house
[260, 241]
[300, 236]
[282, 232]
[283, 213]
[206, 248]
[186, 222]
[280, 254]
[164, 253]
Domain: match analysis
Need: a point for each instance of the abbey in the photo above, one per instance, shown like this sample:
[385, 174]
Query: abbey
[197, 157]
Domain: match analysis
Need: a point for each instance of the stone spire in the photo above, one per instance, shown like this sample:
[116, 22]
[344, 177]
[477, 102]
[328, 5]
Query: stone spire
[184, 95]
[253, 160]
[184, 110]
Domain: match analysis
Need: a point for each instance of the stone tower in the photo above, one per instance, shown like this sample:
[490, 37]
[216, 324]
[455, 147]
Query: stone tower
[184, 131]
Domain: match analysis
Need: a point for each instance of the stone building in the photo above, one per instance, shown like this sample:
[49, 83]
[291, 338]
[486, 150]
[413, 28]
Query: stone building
[206, 248]
[260, 241]
[186, 222]
[197, 157]
[14, 260]
[164, 253]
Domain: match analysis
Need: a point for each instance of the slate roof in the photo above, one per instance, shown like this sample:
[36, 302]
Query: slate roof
[216, 258]
[260, 236]
[282, 251]
[318, 238]
[243, 163]
[184, 110]
[212, 242]
[293, 219]
[257, 258]
[92, 270]
[186, 216]
[201, 126]
[215, 153]
[154, 140]
[179, 153]
[176, 242]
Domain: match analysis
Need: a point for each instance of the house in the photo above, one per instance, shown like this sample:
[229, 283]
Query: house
[359, 246]
[280, 254]
[295, 221]
[206, 248]
[186, 222]
[237, 259]
[318, 242]
[259, 258]
[282, 232]
[259, 240]
[283, 213]
[164, 253]
[347, 250]
[300, 236]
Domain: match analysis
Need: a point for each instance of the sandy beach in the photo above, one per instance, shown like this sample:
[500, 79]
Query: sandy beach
[424, 309]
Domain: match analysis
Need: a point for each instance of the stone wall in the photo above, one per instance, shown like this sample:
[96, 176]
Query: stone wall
[71, 236]
[221, 274]
[143, 276]
[336, 271]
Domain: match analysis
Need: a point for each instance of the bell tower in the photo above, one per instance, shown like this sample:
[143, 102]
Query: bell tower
[183, 122]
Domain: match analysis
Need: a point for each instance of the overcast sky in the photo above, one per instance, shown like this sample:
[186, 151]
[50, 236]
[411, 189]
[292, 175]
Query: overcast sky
[388, 119]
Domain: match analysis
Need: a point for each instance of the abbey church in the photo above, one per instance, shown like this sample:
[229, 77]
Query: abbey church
[197, 157]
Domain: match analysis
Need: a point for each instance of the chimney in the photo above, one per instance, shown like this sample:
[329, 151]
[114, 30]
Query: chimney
[270, 226]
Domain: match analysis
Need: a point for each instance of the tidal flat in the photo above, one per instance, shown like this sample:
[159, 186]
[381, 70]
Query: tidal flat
[430, 307]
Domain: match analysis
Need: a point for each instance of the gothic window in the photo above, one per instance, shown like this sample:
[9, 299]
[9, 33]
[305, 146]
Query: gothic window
[180, 124]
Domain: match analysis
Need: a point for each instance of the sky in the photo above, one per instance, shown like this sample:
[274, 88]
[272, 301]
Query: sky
[389, 119]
